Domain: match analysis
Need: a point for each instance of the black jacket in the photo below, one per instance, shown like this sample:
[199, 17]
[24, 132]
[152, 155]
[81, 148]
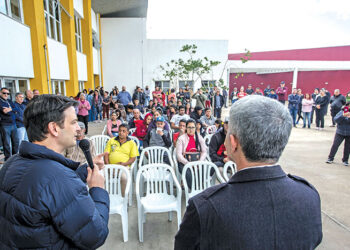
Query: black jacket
[139, 96]
[215, 142]
[323, 102]
[259, 208]
[336, 103]
[222, 101]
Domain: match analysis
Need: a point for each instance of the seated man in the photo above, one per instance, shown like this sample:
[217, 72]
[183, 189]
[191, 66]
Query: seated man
[158, 137]
[176, 118]
[136, 117]
[217, 150]
[75, 153]
[121, 151]
[182, 130]
[207, 119]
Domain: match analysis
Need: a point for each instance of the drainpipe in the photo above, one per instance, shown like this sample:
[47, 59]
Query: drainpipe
[47, 69]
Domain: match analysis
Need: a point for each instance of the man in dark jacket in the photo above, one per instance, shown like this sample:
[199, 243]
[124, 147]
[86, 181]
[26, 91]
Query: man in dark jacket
[218, 103]
[197, 113]
[138, 95]
[44, 200]
[20, 106]
[337, 101]
[342, 133]
[10, 139]
[293, 105]
[217, 150]
[260, 207]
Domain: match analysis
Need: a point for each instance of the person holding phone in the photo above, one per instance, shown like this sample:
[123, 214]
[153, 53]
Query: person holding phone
[342, 133]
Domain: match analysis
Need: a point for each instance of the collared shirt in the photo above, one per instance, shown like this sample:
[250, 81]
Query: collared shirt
[262, 166]
[121, 152]
[217, 98]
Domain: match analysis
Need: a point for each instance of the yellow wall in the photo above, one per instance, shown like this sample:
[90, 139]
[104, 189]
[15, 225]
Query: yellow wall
[34, 17]
[101, 70]
[68, 32]
[86, 30]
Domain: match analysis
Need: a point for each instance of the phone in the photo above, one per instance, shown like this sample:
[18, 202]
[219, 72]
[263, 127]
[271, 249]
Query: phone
[159, 129]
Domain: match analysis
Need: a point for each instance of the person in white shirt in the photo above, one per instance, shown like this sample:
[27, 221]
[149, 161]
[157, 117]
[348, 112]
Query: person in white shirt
[178, 117]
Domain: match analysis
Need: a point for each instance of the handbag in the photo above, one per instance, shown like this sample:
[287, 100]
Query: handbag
[192, 156]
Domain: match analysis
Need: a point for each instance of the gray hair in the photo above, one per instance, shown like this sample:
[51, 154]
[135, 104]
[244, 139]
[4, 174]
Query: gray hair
[19, 93]
[262, 126]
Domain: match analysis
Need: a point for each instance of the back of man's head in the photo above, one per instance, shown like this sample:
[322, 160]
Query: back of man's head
[262, 127]
[41, 111]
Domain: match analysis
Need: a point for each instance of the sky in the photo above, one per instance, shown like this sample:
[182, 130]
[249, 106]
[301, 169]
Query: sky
[256, 25]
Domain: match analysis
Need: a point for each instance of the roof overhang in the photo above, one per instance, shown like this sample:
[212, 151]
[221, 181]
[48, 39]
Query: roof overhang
[120, 8]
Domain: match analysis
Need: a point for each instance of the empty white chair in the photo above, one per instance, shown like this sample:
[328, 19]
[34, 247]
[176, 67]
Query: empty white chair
[104, 131]
[100, 142]
[229, 166]
[118, 203]
[201, 178]
[211, 130]
[157, 198]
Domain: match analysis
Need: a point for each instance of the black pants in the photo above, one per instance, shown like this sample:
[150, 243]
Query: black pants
[300, 116]
[319, 118]
[334, 112]
[85, 120]
[338, 139]
[282, 101]
[217, 112]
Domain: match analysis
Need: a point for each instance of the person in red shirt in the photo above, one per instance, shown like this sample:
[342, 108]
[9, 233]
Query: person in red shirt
[182, 130]
[241, 93]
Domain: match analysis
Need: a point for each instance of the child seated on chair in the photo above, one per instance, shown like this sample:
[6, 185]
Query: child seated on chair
[121, 151]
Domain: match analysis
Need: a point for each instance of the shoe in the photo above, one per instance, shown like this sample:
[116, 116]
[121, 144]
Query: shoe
[346, 163]
[329, 161]
[304, 126]
[332, 126]
[317, 128]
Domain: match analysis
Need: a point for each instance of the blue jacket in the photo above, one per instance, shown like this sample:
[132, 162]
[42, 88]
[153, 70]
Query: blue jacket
[124, 97]
[9, 118]
[343, 122]
[19, 114]
[45, 203]
[273, 96]
[259, 208]
[293, 101]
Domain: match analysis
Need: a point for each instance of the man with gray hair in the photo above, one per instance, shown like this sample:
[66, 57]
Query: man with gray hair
[260, 207]
[337, 101]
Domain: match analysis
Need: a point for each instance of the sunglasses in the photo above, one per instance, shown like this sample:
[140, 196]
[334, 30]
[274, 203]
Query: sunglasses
[5, 93]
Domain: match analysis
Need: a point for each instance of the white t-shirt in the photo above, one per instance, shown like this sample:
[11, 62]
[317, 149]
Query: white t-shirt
[177, 118]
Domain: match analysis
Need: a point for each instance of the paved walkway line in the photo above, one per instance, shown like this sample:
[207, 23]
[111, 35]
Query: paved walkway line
[336, 221]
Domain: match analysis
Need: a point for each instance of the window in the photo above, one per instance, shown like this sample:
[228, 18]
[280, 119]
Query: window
[182, 84]
[58, 87]
[164, 85]
[209, 84]
[15, 85]
[81, 86]
[52, 15]
[12, 8]
[78, 40]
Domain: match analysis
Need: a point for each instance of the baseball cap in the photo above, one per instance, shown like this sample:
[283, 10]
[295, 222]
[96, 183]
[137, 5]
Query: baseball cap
[160, 119]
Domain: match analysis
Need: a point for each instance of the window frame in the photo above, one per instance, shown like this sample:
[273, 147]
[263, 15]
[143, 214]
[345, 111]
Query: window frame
[78, 35]
[60, 84]
[9, 11]
[57, 34]
[161, 82]
[81, 86]
[190, 84]
[16, 86]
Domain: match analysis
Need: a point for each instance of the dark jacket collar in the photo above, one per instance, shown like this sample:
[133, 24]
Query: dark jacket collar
[35, 151]
[257, 174]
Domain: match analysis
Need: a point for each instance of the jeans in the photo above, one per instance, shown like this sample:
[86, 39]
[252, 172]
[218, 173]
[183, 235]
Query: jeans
[91, 114]
[338, 139]
[293, 112]
[10, 140]
[105, 111]
[319, 118]
[217, 112]
[22, 135]
[147, 101]
[307, 115]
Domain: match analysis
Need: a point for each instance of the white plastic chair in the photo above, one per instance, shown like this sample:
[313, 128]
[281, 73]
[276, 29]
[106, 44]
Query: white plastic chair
[176, 166]
[131, 131]
[118, 203]
[207, 139]
[201, 179]
[104, 131]
[211, 130]
[230, 165]
[157, 198]
[100, 142]
[135, 139]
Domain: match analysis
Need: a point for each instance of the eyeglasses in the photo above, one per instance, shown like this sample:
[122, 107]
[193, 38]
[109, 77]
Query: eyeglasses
[191, 127]
[5, 93]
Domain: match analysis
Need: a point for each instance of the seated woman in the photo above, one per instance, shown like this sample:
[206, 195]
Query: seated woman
[190, 147]
[142, 127]
[114, 123]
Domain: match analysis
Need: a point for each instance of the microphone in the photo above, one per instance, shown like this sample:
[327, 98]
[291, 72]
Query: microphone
[85, 146]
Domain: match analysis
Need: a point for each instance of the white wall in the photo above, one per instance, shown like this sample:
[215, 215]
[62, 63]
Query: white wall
[93, 21]
[95, 61]
[78, 7]
[58, 60]
[82, 66]
[16, 58]
[122, 51]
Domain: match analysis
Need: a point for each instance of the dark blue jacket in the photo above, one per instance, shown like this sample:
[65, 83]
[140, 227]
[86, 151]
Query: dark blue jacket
[9, 118]
[19, 114]
[259, 208]
[343, 122]
[273, 96]
[45, 203]
[293, 101]
[323, 102]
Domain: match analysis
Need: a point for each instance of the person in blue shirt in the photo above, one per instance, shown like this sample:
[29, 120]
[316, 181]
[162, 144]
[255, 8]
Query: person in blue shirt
[8, 126]
[20, 106]
[273, 94]
[124, 96]
[293, 104]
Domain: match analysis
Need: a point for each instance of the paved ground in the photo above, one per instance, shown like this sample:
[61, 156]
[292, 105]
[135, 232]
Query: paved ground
[305, 155]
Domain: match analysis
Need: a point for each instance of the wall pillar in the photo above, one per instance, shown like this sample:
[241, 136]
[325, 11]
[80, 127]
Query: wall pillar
[86, 29]
[295, 78]
[34, 17]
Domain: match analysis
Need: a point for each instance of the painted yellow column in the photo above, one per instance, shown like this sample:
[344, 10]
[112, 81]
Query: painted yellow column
[100, 40]
[68, 33]
[34, 17]
[86, 28]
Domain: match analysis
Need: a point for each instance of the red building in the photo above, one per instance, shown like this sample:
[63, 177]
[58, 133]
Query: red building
[302, 68]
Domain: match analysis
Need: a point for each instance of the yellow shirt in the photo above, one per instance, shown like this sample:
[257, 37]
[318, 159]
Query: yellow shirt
[121, 153]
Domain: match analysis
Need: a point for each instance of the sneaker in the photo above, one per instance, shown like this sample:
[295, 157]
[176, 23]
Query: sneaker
[332, 125]
[346, 163]
[329, 161]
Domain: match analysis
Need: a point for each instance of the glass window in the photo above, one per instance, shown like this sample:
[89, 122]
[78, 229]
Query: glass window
[53, 19]
[78, 40]
[23, 86]
[62, 88]
[11, 85]
[58, 87]
[3, 6]
[164, 85]
[81, 86]
[182, 84]
[15, 9]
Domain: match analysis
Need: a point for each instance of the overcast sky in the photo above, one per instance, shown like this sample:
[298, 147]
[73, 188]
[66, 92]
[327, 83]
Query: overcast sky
[258, 25]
